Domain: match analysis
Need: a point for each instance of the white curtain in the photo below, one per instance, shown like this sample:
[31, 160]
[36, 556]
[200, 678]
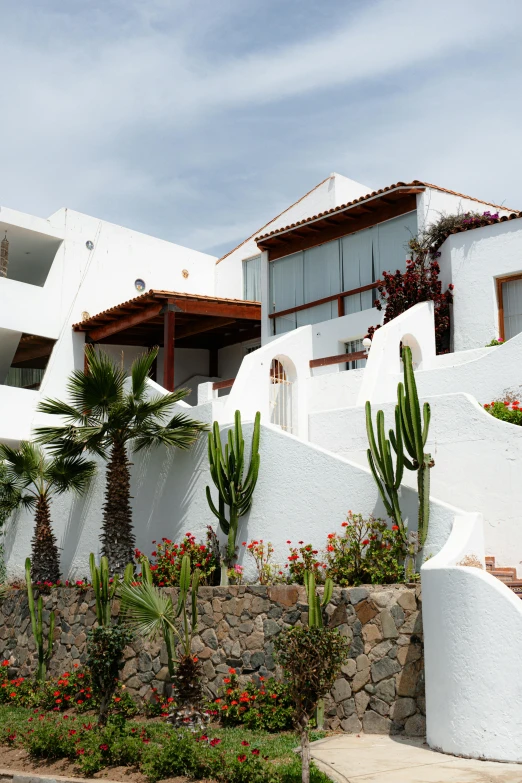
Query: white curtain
[512, 300]
[321, 278]
[390, 243]
[252, 279]
[286, 289]
[357, 255]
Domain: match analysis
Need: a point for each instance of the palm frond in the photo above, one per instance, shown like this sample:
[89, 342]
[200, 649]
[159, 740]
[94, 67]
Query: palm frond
[181, 432]
[140, 371]
[100, 387]
[146, 610]
[59, 408]
[72, 441]
[69, 473]
[158, 406]
[22, 465]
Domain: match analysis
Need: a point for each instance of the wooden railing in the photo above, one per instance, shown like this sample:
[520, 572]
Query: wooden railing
[339, 359]
[340, 301]
[223, 384]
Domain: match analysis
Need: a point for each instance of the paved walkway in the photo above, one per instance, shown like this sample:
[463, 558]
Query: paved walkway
[372, 758]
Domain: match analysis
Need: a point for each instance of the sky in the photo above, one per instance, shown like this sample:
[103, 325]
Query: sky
[197, 121]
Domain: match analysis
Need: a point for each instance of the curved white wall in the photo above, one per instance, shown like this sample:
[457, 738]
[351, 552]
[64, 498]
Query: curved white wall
[472, 641]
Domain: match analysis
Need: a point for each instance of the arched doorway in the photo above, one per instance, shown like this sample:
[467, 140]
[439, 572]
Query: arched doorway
[282, 393]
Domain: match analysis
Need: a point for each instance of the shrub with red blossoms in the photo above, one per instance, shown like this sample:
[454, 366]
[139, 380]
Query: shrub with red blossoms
[304, 557]
[165, 560]
[259, 705]
[508, 410]
[367, 551]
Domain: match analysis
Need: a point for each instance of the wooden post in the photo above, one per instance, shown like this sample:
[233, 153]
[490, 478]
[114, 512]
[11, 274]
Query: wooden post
[169, 328]
[340, 307]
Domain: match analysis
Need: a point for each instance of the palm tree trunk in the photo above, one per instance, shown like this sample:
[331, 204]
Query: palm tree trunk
[118, 541]
[45, 562]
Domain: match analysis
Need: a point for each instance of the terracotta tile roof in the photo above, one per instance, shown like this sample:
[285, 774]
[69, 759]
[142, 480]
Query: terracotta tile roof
[397, 186]
[157, 294]
[272, 220]
[501, 219]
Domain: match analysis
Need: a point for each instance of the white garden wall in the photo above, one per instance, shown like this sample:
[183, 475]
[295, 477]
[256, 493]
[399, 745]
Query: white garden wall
[472, 639]
[303, 493]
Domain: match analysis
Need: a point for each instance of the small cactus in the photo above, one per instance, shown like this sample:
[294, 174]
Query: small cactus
[315, 605]
[36, 613]
[104, 590]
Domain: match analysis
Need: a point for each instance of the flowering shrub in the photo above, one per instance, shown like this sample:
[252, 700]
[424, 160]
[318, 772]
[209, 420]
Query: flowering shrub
[304, 558]
[235, 574]
[261, 553]
[506, 410]
[495, 342]
[265, 706]
[166, 565]
[366, 552]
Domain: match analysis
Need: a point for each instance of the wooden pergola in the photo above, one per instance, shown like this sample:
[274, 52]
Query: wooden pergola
[169, 319]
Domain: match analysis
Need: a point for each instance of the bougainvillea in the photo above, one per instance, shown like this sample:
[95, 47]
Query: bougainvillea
[398, 291]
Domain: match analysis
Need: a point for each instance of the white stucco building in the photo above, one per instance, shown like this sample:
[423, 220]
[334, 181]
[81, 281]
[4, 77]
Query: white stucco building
[266, 327]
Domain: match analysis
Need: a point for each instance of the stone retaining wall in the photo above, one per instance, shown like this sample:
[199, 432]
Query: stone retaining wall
[381, 688]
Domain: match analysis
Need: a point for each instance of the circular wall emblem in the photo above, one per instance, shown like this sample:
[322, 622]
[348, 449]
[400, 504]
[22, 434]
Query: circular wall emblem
[89, 245]
[139, 284]
[185, 273]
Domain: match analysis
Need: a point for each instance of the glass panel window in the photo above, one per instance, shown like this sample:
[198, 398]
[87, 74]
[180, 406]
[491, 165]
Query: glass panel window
[512, 306]
[354, 346]
[252, 279]
[390, 243]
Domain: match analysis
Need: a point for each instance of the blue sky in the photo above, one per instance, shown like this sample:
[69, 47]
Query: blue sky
[199, 120]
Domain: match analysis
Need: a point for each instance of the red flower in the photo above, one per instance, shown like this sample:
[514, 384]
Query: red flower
[330, 548]
[241, 758]
[104, 747]
[72, 732]
[214, 742]
[395, 527]
[231, 671]
[226, 680]
[255, 752]
[80, 751]
[366, 542]
[5, 663]
[245, 743]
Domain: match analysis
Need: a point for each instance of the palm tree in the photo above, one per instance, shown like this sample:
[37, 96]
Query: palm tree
[30, 479]
[109, 413]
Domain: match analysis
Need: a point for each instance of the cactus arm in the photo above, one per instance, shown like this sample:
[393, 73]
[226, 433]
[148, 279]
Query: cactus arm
[146, 573]
[328, 591]
[50, 638]
[412, 401]
[254, 456]
[423, 487]
[30, 596]
[128, 574]
[426, 415]
[399, 462]
[194, 599]
[380, 486]
[223, 521]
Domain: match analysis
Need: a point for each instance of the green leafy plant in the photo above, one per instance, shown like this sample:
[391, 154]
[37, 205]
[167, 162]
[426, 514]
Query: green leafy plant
[151, 613]
[105, 646]
[414, 429]
[259, 705]
[311, 658]
[31, 479]
[226, 471]
[505, 410]
[36, 613]
[495, 342]
[261, 553]
[366, 552]
[106, 588]
[315, 620]
[387, 476]
[109, 413]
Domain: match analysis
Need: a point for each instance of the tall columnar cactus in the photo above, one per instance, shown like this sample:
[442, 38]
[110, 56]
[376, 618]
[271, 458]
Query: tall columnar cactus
[104, 589]
[414, 429]
[387, 476]
[226, 470]
[36, 613]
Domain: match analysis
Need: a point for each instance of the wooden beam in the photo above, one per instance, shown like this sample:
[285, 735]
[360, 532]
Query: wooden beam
[333, 228]
[220, 309]
[120, 324]
[223, 384]
[202, 325]
[29, 352]
[339, 359]
[308, 305]
[169, 330]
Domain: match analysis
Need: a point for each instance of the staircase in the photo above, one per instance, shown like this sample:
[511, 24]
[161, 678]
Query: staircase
[506, 575]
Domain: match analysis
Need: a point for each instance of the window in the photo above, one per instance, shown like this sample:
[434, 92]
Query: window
[509, 292]
[345, 264]
[353, 346]
[252, 279]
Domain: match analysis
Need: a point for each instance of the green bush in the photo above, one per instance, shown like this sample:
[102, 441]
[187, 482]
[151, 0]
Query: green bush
[505, 410]
[105, 645]
[267, 706]
[366, 552]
